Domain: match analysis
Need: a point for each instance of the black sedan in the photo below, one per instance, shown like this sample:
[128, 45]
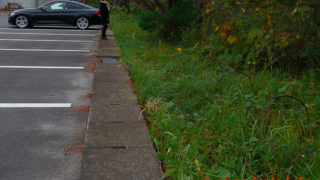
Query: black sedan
[57, 12]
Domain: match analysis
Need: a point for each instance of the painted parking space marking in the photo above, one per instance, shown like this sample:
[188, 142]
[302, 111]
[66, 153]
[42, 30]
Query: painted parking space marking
[54, 28]
[47, 50]
[35, 105]
[45, 40]
[40, 67]
[47, 34]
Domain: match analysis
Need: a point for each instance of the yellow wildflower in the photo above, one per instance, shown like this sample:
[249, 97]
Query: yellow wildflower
[179, 49]
[232, 39]
[198, 164]
[216, 29]
[214, 166]
[222, 34]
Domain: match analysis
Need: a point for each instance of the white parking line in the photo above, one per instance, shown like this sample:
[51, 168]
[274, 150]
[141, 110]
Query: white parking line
[35, 105]
[50, 28]
[47, 50]
[46, 40]
[39, 67]
[48, 34]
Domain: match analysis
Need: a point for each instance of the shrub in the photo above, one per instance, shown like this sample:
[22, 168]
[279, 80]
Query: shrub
[148, 20]
[283, 34]
[93, 3]
[168, 25]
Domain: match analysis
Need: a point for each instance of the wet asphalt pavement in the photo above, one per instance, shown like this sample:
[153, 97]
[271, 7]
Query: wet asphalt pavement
[43, 66]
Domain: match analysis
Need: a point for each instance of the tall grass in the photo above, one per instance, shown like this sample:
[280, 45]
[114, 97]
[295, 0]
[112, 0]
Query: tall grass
[208, 121]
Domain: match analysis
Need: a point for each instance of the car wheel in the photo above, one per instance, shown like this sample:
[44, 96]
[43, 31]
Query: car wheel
[22, 21]
[83, 23]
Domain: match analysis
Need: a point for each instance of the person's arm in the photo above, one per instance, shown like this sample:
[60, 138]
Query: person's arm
[107, 14]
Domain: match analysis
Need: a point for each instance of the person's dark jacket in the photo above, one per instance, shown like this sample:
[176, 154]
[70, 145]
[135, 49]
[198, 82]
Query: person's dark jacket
[104, 12]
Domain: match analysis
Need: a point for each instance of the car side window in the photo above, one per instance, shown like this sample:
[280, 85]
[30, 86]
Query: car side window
[56, 6]
[71, 5]
[46, 5]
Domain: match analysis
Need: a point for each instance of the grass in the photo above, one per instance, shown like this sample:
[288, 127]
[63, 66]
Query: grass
[208, 122]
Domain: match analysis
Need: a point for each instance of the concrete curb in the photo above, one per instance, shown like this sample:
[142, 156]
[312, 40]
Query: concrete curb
[117, 143]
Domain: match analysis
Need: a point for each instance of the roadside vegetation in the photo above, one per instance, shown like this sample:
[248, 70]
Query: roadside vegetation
[230, 88]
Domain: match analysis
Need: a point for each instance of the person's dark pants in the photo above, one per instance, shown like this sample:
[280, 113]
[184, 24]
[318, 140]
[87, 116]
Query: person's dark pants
[104, 30]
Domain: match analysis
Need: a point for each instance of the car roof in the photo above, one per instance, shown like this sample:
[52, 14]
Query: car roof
[71, 1]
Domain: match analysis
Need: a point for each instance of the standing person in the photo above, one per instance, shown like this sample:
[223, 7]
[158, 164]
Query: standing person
[104, 17]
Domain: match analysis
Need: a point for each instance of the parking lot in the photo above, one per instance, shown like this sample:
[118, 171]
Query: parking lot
[42, 82]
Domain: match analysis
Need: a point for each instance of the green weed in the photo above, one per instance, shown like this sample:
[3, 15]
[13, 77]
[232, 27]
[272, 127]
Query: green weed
[208, 120]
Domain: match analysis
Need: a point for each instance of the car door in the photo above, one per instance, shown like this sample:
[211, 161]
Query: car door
[51, 13]
[72, 11]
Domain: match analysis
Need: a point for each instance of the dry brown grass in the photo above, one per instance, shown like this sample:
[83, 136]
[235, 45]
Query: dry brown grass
[77, 147]
[4, 12]
[95, 58]
[90, 94]
[84, 108]
[91, 68]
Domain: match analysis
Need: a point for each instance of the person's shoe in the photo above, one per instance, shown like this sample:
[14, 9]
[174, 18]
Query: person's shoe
[103, 37]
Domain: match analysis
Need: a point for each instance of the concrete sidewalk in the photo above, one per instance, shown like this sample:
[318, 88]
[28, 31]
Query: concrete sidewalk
[117, 143]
